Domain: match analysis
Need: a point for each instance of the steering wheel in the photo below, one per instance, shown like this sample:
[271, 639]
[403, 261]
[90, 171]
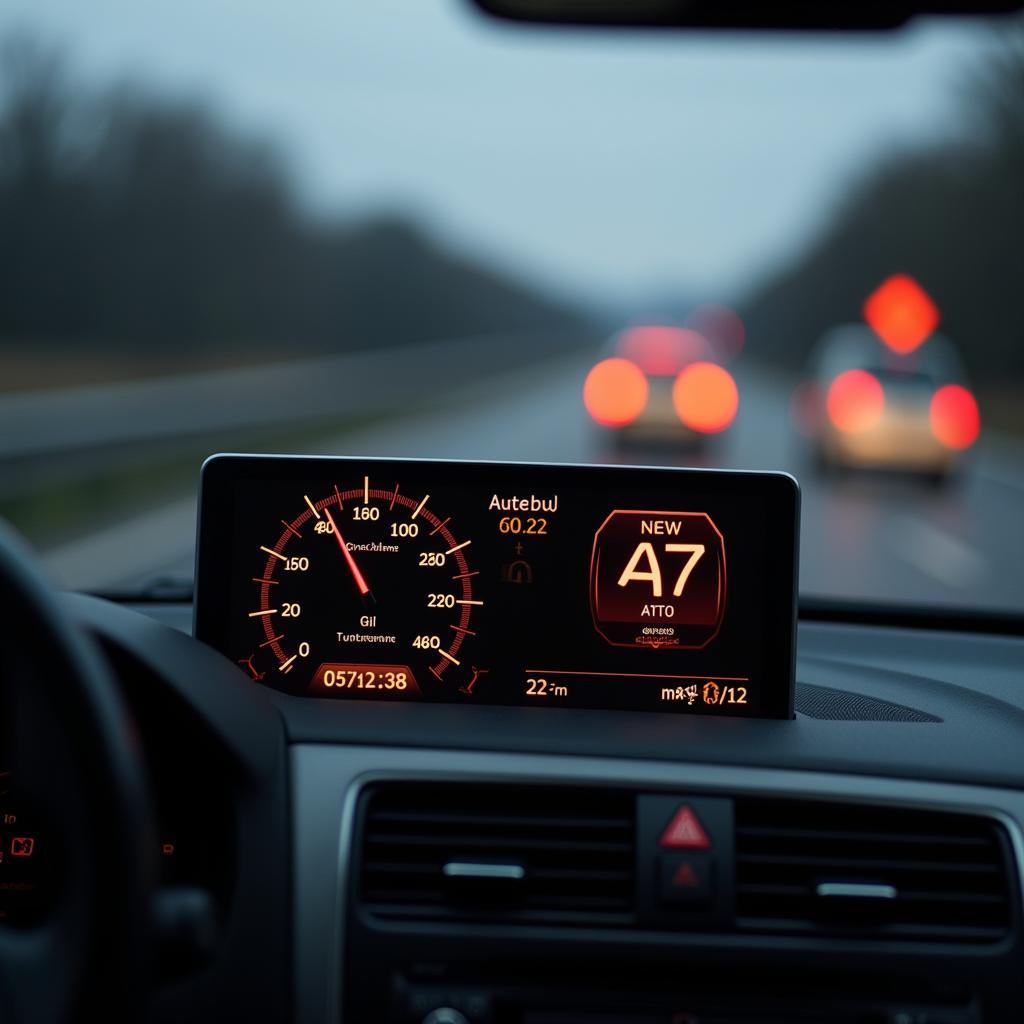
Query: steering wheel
[75, 762]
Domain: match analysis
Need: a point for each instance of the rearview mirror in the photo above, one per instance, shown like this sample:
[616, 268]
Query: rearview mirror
[739, 14]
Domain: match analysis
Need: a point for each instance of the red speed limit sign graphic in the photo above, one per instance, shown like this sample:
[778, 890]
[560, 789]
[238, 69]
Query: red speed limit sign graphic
[657, 579]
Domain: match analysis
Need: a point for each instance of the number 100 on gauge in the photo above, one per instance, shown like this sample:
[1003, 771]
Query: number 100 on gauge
[657, 579]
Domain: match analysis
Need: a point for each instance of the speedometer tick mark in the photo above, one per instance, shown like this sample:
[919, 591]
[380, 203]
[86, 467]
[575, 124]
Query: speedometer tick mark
[291, 529]
[286, 665]
[466, 575]
[445, 654]
[458, 547]
[312, 507]
[273, 640]
[268, 611]
[439, 526]
[271, 583]
[270, 551]
[419, 507]
[394, 497]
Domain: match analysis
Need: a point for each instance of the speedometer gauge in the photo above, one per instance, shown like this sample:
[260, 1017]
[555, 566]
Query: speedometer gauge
[365, 591]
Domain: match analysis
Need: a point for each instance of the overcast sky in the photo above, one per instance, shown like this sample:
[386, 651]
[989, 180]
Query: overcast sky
[612, 165]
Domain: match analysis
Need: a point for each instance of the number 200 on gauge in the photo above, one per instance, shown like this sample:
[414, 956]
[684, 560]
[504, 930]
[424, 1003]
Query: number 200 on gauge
[657, 579]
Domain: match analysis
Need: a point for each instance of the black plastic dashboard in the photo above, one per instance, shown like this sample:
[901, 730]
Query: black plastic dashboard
[946, 707]
[928, 721]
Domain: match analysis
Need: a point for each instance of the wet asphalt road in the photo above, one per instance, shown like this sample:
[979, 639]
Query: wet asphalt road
[960, 545]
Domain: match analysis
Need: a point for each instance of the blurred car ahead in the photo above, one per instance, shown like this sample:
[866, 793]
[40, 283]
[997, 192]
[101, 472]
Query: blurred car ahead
[661, 385]
[867, 406]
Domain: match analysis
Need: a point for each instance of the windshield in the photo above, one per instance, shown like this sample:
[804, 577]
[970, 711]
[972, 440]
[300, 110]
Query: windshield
[401, 229]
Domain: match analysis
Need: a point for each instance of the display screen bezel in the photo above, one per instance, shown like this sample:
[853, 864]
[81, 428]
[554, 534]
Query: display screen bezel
[777, 493]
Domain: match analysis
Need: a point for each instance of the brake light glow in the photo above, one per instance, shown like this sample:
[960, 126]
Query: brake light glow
[855, 401]
[662, 351]
[615, 392]
[722, 326]
[705, 397]
[901, 313]
[954, 417]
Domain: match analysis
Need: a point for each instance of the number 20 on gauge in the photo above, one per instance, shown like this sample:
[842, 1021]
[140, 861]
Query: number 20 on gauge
[657, 579]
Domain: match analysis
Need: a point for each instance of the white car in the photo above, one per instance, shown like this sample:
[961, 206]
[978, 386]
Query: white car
[868, 407]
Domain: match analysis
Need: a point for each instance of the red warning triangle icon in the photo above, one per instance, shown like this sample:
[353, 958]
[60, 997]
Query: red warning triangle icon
[685, 877]
[685, 832]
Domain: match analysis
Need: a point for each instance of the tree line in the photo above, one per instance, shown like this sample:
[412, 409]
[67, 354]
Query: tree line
[951, 214]
[134, 221]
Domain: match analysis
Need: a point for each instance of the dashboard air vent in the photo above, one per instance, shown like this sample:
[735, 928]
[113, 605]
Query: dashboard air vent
[457, 852]
[857, 870]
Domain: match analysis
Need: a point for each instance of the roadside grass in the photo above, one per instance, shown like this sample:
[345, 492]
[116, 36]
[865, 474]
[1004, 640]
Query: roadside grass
[62, 511]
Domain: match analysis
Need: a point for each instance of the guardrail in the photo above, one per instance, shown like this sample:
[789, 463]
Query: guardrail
[77, 432]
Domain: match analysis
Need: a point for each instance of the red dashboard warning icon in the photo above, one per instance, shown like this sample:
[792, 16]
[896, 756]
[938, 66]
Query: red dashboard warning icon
[685, 832]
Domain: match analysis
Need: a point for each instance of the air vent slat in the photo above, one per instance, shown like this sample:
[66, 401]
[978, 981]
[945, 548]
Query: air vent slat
[947, 874]
[499, 820]
[575, 848]
[839, 835]
[867, 864]
[500, 842]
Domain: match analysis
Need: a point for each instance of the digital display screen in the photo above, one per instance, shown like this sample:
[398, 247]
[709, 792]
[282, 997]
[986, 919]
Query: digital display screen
[500, 583]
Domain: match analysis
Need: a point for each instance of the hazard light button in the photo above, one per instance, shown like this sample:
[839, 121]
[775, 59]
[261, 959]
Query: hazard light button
[684, 832]
[687, 879]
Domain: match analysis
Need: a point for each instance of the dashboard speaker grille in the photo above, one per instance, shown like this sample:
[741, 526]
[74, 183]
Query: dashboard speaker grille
[442, 851]
[829, 704]
[899, 874]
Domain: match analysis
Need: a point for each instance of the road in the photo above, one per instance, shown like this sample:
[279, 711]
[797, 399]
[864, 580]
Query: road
[861, 538]
[74, 434]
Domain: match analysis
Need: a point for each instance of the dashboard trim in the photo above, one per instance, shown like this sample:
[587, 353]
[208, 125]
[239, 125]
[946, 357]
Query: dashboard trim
[327, 780]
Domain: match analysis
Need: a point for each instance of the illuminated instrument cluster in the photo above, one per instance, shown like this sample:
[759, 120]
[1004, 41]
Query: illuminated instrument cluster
[667, 590]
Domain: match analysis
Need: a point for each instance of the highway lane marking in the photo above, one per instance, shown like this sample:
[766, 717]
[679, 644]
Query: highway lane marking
[947, 559]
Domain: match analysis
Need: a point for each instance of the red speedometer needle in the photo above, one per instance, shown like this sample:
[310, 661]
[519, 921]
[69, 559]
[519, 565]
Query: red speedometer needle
[349, 560]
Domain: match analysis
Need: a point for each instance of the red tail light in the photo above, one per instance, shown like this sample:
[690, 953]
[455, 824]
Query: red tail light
[705, 397]
[615, 392]
[855, 401]
[662, 351]
[722, 326]
[954, 417]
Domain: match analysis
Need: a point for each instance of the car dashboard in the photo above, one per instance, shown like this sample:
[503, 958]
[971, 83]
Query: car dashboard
[902, 768]
[858, 859]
